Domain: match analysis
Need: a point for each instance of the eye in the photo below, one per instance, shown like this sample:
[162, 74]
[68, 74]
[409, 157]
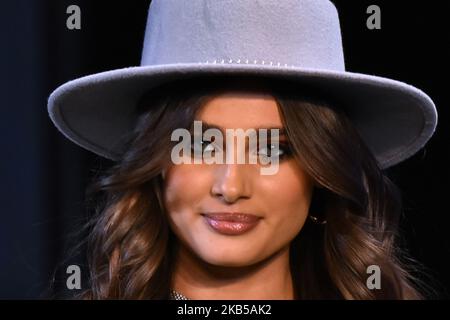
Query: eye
[202, 146]
[283, 150]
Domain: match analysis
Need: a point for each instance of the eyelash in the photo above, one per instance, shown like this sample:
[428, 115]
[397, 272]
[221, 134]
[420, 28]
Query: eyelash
[284, 148]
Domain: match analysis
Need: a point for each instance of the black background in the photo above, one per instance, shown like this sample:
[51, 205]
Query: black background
[44, 175]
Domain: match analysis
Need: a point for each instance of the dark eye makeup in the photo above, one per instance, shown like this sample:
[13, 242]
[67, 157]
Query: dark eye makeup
[284, 148]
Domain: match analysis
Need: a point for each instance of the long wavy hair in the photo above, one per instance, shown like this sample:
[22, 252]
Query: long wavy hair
[131, 247]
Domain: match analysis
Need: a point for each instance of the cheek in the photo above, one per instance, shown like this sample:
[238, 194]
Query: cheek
[183, 187]
[288, 195]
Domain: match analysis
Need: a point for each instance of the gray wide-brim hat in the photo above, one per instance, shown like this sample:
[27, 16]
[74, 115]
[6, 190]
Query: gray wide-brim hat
[298, 40]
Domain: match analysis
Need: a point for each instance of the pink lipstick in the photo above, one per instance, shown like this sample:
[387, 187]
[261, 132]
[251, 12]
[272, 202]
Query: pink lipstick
[231, 223]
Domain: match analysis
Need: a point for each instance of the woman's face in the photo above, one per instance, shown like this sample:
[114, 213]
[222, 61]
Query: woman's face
[193, 193]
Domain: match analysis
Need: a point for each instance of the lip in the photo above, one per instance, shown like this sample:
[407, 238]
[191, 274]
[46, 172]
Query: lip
[231, 223]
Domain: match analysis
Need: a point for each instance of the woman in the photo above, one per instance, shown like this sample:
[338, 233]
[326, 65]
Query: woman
[224, 230]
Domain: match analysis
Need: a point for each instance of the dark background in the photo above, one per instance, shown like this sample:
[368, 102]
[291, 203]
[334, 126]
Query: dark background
[44, 176]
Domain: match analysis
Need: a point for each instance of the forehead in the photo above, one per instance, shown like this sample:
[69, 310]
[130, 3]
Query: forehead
[235, 109]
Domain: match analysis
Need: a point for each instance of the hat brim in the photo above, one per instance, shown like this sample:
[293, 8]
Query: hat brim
[395, 119]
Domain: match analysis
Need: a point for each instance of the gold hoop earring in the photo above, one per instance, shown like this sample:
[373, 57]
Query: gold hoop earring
[316, 220]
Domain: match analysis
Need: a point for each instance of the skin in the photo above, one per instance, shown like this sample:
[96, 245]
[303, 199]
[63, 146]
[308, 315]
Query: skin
[253, 265]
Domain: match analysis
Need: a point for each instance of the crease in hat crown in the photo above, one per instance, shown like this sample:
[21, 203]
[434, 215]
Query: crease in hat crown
[300, 33]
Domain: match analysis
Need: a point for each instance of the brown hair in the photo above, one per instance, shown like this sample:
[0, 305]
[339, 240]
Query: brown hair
[130, 248]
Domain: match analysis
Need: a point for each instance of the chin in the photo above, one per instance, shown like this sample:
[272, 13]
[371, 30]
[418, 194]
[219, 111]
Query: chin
[232, 262]
[229, 260]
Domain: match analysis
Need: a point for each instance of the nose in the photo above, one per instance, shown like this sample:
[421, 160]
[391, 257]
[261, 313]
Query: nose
[231, 182]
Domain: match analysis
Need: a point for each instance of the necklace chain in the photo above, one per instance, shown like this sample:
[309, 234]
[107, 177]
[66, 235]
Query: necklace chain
[175, 295]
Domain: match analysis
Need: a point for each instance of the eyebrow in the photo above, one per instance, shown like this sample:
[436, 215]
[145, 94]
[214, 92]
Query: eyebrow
[206, 126]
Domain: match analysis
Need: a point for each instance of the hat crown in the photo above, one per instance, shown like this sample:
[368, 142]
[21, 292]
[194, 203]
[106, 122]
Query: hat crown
[299, 33]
